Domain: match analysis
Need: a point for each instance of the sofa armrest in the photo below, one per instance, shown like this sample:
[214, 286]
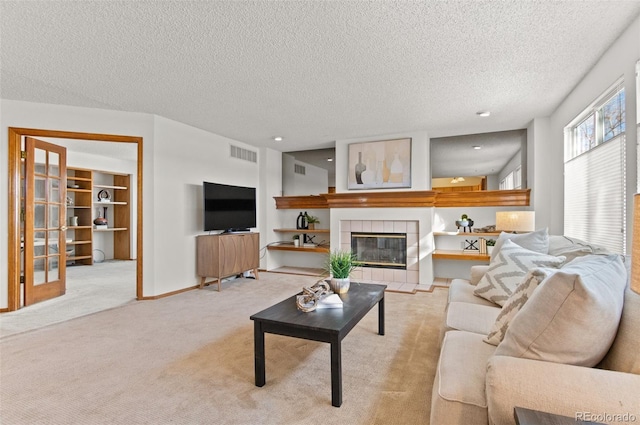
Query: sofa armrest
[476, 273]
[573, 391]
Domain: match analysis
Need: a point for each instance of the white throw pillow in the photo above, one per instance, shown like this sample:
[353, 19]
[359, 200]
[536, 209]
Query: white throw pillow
[573, 316]
[507, 270]
[515, 302]
[537, 241]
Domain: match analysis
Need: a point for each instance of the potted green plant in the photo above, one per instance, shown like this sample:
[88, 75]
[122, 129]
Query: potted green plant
[339, 265]
[490, 244]
[296, 240]
[311, 221]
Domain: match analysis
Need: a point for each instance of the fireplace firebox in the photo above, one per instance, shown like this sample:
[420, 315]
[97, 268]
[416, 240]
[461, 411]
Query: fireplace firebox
[380, 250]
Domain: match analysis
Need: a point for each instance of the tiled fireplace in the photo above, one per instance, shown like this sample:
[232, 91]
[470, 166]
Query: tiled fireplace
[388, 247]
[380, 250]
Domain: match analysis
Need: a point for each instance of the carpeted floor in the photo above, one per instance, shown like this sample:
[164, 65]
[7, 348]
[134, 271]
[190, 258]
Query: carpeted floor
[188, 359]
[89, 289]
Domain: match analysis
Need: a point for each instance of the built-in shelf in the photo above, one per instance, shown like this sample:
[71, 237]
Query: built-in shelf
[111, 229]
[290, 247]
[453, 254]
[302, 230]
[105, 186]
[106, 204]
[407, 199]
[478, 234]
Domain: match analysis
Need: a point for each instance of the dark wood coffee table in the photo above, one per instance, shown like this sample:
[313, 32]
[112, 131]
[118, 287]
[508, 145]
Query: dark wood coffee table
[326, 325]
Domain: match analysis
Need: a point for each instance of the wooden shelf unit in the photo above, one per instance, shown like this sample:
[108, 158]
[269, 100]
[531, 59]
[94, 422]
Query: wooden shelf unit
[302, 230]
[284, 246]
[289, 247]
[452, 254]
[118, 209]
[478, 234]
[81, 236]
[82, 191]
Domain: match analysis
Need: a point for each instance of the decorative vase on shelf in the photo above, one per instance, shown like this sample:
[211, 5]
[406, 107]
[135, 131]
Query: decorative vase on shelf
[100, 219]
[368, 175]
[340, 286]
[360, 168]
[379, 174]
[396, 170]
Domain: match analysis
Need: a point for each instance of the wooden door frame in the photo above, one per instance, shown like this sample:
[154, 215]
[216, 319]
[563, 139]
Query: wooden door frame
[15, 145]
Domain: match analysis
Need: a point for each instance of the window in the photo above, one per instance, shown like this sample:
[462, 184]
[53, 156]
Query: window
[513, 180]
[594, 173]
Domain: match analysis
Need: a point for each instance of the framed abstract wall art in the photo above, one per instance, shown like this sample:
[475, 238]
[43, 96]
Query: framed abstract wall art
[380, 165]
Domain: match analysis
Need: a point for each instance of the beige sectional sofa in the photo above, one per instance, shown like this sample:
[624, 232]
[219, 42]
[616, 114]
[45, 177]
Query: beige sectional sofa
[572, 347]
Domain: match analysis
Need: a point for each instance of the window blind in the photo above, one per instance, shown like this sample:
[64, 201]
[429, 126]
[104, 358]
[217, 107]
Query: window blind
[594, 187]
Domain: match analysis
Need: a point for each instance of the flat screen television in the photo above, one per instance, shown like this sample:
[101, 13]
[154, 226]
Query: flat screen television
[229, 208]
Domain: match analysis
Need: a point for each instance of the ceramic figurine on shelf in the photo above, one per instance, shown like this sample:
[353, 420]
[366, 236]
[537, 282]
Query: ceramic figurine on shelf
[101, 220]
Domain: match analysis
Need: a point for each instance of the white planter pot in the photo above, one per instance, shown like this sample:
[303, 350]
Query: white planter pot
[340, 286]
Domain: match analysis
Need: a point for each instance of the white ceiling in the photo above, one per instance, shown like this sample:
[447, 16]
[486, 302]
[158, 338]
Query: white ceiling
[313, 71]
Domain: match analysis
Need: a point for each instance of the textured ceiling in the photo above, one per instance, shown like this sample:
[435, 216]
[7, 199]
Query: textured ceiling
[312, 71]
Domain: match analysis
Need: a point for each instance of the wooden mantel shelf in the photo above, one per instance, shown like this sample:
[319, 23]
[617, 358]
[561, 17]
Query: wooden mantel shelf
[407, 199]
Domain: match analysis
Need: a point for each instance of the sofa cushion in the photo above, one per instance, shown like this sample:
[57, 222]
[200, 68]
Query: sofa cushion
[468, 317]
[462, 368]
[515, 302]
[477, 272]
[461, 290]
[573, 316]
[458, 394]
[537, 241]
[623, 354]
[507, 270]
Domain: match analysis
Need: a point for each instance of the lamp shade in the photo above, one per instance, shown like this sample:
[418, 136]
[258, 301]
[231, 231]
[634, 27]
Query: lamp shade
[635, 247]
[516, 221]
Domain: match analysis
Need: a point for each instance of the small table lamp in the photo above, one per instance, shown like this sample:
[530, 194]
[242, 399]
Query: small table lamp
[635, 247]
[515, 221]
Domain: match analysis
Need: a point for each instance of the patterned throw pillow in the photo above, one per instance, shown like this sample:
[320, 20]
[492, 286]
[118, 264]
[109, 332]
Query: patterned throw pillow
[507, 270]
[537, 241]
[573, 316]
[515, 302]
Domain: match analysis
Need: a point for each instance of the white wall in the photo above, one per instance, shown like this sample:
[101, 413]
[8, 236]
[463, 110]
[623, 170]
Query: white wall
[176, 160]
[269, 218]
[184, 157]
[314, 182]
[619, 60]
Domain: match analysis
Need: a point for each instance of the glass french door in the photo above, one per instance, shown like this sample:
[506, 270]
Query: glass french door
[43, 226]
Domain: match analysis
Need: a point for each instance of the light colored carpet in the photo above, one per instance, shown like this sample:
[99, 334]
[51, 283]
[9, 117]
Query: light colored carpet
[188, 359]
[89, 289]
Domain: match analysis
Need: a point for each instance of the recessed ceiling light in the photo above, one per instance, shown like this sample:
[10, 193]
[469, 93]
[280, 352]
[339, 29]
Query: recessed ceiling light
[483, 113]
[330, 159]
[476, 147]
[278, 138]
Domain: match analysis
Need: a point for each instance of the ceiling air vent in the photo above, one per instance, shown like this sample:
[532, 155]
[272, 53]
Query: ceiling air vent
[299, 169]
[244, 154]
